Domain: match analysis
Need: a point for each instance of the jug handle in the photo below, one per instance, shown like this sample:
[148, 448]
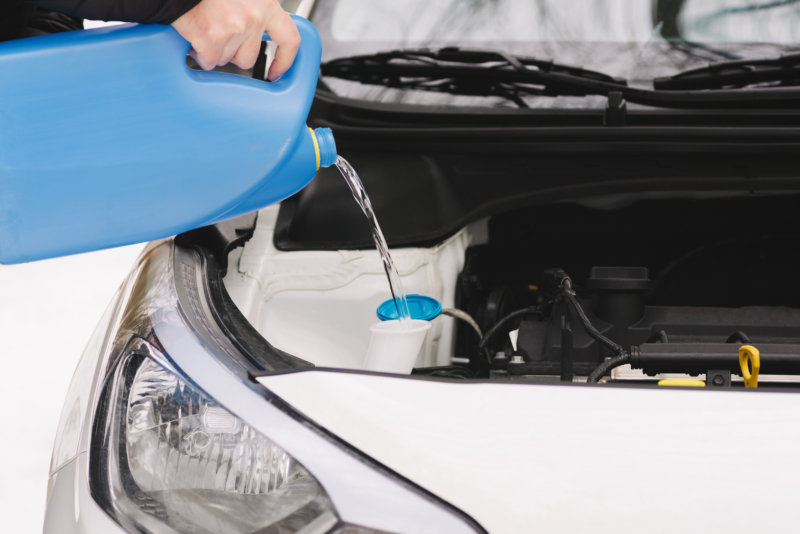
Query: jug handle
[305, 65]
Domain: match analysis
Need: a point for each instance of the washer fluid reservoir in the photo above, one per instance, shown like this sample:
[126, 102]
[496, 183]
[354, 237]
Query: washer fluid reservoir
[107, 138]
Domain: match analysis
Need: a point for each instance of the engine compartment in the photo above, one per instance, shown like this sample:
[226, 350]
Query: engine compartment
[679, 284]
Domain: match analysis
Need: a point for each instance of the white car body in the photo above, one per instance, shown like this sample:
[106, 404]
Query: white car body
[496, 453]
[513, 457]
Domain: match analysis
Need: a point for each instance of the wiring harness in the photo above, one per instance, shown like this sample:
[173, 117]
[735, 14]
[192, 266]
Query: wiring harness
[558, 285]
[621, 356]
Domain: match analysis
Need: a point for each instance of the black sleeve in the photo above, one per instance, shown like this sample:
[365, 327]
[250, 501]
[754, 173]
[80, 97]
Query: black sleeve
[146, 11]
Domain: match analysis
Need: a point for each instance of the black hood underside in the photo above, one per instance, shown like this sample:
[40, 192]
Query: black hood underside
[431, 171]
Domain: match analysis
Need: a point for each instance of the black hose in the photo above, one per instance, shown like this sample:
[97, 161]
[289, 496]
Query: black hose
[499, 324]
[621, 355]
[603, 369]
[444, 371]
[564, 283]
[590, 329]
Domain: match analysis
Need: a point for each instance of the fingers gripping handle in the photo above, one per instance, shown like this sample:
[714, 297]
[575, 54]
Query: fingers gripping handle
[304, 69]
[306, 64]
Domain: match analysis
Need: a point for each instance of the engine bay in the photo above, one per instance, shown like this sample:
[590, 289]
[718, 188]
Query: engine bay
[678, 285]
[629, 289]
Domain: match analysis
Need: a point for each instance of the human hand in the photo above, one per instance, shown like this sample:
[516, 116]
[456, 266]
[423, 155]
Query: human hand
[223, 31]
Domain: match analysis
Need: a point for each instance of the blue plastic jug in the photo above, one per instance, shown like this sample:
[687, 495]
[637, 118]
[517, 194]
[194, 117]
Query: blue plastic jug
[107, 138]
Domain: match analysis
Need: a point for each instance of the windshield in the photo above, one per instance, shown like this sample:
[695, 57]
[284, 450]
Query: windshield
[480, 21]
[633, 39]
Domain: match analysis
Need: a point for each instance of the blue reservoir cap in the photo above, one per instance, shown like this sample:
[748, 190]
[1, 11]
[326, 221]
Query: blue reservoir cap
[420, 306]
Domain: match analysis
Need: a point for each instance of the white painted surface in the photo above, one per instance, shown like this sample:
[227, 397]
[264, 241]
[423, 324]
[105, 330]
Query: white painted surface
[319, 305]
[522, 458]
[48, 310]
[394, 347]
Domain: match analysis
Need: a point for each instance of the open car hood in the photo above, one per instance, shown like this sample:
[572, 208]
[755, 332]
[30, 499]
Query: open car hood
[519, 458]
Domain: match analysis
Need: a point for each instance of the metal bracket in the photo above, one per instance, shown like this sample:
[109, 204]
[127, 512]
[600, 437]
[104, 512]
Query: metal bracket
[616, 109]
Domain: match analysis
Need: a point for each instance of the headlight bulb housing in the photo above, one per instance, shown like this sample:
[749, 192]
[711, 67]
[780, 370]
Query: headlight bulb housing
[174, 457]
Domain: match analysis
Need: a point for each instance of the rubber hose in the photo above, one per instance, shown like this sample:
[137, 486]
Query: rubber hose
[603, 369]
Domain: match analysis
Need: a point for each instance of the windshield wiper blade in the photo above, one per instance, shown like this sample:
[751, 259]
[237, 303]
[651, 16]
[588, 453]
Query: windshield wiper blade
[467, 72]
[449, 58]
[486, 73]
[782, 71]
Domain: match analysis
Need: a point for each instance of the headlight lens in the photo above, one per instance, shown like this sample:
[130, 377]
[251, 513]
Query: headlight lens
[178, 439]
[176, 457]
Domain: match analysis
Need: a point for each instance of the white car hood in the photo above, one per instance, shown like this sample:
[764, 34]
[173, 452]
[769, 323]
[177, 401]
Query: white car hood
[525, 458]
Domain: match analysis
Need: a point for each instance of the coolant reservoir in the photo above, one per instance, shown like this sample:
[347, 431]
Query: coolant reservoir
[107, 138]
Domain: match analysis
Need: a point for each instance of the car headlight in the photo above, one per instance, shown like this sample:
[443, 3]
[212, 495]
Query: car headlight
[182, 440]
[178, 458]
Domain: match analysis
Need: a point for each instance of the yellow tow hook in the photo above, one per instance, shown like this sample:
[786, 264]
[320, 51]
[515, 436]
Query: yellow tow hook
[750, 362]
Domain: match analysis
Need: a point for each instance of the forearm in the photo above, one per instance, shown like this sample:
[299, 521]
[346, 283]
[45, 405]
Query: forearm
[146, 11]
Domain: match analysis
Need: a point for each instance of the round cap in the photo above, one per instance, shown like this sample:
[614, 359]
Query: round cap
[327, 147]
[420, 306]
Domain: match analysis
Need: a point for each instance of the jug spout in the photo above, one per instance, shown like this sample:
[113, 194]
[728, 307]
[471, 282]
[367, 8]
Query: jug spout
[325, 147]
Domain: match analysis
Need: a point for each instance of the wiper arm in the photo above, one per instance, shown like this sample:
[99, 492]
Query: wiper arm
[485, 73]
[467, 72]
[782, 71]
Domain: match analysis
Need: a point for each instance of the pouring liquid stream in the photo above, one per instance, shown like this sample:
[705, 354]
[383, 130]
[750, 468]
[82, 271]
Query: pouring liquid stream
[360, 194]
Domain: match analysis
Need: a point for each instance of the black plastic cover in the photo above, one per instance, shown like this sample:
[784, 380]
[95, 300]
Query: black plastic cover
[429, 172]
